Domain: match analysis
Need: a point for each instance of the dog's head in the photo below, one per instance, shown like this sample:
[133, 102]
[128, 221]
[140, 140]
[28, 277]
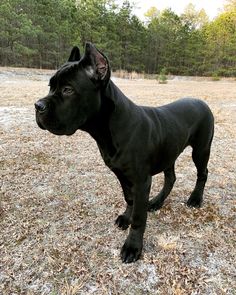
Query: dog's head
[75, 92]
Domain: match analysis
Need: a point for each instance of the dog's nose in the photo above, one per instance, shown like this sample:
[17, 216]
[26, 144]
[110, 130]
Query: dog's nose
[40, 106]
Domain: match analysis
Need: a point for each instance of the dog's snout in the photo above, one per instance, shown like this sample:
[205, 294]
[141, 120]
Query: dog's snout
[41, 106]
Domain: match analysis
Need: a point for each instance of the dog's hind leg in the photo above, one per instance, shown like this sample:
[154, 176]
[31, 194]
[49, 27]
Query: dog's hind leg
[200, 158]
[157, 202]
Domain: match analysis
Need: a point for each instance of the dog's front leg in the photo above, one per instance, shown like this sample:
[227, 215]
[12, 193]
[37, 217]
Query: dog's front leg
[133, 245]
[123, 221]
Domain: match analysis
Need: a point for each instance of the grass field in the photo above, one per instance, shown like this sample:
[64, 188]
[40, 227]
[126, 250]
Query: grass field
[59, 202]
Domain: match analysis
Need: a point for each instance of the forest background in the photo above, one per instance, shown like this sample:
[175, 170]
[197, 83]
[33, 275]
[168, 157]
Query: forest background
[40, 34]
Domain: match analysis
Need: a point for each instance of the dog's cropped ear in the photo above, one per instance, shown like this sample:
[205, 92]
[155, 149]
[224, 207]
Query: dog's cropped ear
[96, 63]
[74, 55]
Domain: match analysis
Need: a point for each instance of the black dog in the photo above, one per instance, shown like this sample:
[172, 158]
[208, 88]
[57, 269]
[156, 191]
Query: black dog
[135, 142]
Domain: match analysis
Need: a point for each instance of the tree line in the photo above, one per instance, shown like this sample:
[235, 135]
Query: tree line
[41, 33]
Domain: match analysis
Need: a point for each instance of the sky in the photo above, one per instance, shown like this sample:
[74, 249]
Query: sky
[212, 7]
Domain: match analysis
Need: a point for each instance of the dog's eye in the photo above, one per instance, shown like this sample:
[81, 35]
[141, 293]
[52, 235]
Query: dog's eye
[67, 90]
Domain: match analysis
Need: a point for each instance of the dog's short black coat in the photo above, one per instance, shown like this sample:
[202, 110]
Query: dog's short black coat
[135, 142]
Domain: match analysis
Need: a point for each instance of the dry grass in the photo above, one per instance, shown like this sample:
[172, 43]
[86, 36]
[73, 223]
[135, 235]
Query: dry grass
[59, 203]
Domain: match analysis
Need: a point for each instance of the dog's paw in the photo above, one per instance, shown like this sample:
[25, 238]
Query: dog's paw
[194, 201]
[130, 252]
[154, 206]
[122, 222]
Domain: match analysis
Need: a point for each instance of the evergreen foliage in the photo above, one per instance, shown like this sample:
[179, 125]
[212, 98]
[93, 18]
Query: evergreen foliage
[41, 33]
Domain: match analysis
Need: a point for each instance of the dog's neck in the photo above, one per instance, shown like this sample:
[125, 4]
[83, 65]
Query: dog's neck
[98, 125]
[113, 101]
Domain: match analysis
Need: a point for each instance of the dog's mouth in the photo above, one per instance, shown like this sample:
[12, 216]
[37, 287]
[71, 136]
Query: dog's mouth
[39, 123]
[39, 120]
[45, 123]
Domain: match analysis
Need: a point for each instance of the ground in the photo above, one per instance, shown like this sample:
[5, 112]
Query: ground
[59, 203]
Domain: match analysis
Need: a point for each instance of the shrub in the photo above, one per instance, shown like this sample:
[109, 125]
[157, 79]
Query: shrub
[215, 77]
[162, 77]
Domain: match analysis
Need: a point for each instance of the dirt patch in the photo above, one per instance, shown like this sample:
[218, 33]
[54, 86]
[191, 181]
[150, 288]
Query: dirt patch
[59, 202]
